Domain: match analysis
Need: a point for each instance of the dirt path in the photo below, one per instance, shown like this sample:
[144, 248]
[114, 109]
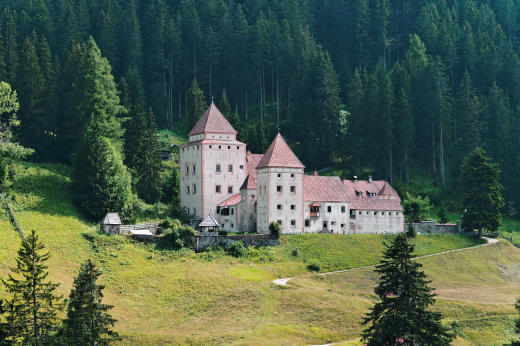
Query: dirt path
[489, 241]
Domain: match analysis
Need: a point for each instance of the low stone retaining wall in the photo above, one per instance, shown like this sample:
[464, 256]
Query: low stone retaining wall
[204, 241]
[432, 227]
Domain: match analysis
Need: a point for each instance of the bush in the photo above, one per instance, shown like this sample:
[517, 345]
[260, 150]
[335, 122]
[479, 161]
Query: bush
[275, 229]
[411, 232]
[237, 249]
[314, 266]
[177, 238]
[222, 232]
[295, 252]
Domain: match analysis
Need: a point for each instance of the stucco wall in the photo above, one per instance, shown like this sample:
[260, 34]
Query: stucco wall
[230, 222]
[224, 153]
[337, 221]
[376, 222]
[247, 211]
[190, 156]
[269, 199]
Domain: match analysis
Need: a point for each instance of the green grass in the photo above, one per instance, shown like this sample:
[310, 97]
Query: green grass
[179, 297]
[510, 229]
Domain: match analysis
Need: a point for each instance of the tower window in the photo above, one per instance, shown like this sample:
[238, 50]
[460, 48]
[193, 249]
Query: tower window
[230, 168]
[293, 188]
[279, 206]
[193, 169]
[307, 223]
[238, 147]
[229, 147]
[217, 189]
[292, 175]
[230, 189]
[293, 222]
[293, 207]
[279, 175]
[241, 167]
[187, 190]
[187, 170]
[342, 208]
[217, 169]
[329, 209]
[194, 188]
[279, 188]
[279, 222]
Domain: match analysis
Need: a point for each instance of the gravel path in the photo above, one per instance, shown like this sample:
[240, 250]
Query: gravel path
[489, 241]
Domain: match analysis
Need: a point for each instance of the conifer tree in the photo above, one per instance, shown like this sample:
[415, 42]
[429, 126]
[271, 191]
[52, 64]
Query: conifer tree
[516, 341]
[482, 191]
[401, 316]
[33, 305]
[196, 103]
[88, 321]
[9, 33]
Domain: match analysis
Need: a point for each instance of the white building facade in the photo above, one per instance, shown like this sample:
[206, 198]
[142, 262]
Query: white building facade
[247, 192]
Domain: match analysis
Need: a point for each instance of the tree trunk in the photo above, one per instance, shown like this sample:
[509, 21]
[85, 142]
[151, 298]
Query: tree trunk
[441, 155]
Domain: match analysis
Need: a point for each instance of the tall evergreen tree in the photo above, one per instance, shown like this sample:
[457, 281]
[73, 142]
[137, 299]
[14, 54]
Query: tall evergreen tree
[33, 305]
[88, 320]
[482, 191]
[401, 316]
[196, 103]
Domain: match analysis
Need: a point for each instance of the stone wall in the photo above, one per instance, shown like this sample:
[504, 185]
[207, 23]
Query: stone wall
[204, 241]
[432, 227]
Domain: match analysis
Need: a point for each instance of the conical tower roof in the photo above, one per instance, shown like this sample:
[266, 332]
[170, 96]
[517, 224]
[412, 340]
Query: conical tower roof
[280, 155]
[212, 121]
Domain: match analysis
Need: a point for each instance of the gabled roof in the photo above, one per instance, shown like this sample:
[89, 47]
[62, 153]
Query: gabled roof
[111, 219]
[323, 189]
[386, 197]
[212, 121]
[252, 161]
[280, 155]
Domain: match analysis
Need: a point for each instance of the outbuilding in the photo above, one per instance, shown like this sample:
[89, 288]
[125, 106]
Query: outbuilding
[111, 223]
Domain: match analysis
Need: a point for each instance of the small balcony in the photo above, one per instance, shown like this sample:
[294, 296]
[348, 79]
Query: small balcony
[315, 214]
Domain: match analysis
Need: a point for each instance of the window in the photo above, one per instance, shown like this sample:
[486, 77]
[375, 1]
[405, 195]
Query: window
[292, 175]
[342, 225]
[217, 189]
[279, 222]
[194, 211]
[218, 210]
[375, 212]
[238, 147]
[231, 225]
[220, 146]
[217, 169]
[224, 212]
[307, 223]
[279, 175]
[293, 222]
[333, 223]
[232, 212]
[210, 146]
[293, 207]
[279, 206]
[187, 190]
[325, 225]
[253, 196]
[329, 209]
[193, 169]
[359, 194]
[241, 167]
[230, 189]
[229, 147]
[230, 168]
[187, 170]
[342, 208]
[293, 188]
[279, 188]
[194, 188]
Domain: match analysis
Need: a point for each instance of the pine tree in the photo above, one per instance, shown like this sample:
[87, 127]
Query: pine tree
[401, 316]
[443, 218]
[88, 320]
[9, 33]
[482, 191]
[516, 341]
[196, 103]
[33, 306]
[171, 192]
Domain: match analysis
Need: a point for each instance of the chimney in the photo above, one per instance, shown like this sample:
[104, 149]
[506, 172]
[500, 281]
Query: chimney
[370, 179]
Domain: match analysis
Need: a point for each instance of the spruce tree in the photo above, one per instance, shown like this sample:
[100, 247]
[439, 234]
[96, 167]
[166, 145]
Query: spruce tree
[401, 316]
[33, 305]
[88, 321]
[196, 103]
[516, 340]
[482, 191]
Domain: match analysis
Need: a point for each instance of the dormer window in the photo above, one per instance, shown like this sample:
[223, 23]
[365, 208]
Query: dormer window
[359, 194]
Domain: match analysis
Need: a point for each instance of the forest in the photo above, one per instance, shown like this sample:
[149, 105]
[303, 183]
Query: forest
[391, 88]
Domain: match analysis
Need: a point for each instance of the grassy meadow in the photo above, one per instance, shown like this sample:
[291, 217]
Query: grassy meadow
[178, 297]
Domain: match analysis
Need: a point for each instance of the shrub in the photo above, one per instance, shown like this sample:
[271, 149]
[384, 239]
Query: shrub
[237, 249]
[275, 229]
[178, 237]
[411, 232]
[295, 252]
[222, 232]
[314, 266]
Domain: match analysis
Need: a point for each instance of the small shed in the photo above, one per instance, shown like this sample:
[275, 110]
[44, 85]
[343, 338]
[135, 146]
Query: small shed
[111, 223]
[209, 226]
[142, 234]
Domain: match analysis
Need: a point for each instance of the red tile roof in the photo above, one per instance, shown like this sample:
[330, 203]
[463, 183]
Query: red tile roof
[386, 197]
[212, 121]
[324, 189]
[231, 201]
[280, 155]
[252, 161]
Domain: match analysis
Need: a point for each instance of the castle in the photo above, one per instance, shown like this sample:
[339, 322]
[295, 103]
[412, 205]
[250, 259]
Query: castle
[245, 192]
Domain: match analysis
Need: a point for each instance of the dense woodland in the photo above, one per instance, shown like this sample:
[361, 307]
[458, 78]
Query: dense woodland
[392, 88]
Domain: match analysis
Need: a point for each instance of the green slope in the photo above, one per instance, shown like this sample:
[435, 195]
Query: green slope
[169, 297]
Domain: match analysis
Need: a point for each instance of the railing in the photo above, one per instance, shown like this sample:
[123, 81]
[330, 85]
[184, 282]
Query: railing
[315, 214]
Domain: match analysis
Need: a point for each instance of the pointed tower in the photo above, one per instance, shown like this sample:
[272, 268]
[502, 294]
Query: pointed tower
[212, 164]
[280, 189]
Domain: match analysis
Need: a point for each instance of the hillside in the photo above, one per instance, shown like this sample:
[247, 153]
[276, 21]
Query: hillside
[169, 297]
